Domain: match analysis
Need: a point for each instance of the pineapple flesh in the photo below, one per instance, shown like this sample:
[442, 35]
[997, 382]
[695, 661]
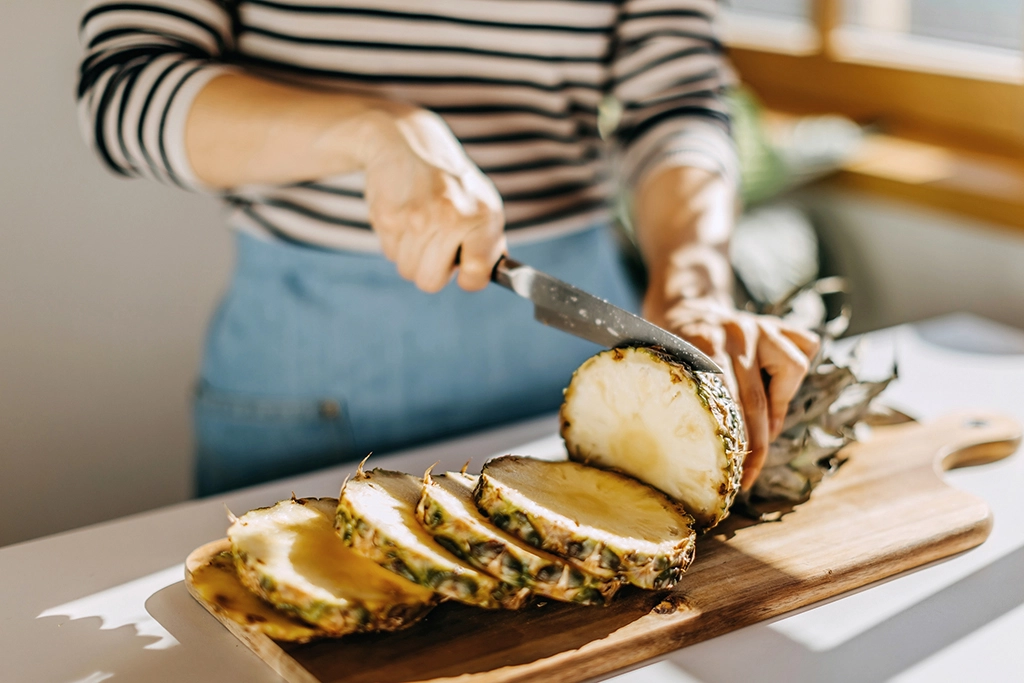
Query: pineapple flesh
[447, 510]
[612, 525]
[217, 583]
[290, 556]
[376, 516]
[639, 411]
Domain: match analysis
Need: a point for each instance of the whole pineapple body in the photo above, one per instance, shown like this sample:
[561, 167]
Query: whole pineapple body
[639, 411]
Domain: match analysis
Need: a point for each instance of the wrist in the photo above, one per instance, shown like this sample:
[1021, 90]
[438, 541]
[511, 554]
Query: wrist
[683, 219]
[693, 272]
[366, 134]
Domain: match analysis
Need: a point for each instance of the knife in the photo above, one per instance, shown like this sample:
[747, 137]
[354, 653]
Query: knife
[584, 315]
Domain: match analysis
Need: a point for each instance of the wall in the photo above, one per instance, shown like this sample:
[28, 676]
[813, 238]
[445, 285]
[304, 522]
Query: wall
[105, 286]
[907, 263]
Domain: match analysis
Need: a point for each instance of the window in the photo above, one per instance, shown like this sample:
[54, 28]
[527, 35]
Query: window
[946, 71]
[971, 38]
[776, 25]
[988, 23]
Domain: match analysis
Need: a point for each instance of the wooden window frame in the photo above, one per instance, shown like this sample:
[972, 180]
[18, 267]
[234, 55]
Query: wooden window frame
[980, 114]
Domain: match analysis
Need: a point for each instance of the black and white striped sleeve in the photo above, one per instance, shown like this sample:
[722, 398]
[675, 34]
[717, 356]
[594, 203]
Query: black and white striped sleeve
[144, 63]
[669, 75]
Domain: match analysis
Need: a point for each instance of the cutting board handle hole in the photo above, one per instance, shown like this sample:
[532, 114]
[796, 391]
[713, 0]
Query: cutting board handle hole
[976, 423]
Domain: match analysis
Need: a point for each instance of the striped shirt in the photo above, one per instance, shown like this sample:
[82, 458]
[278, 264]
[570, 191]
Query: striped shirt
[519, 82]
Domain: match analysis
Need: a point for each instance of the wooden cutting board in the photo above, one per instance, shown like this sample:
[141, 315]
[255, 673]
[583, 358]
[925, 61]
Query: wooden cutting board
[885, 511]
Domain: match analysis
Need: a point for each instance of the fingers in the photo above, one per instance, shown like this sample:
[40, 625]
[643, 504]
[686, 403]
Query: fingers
[753, 400]
[484, 244]
[787, 365]
[389, 237]
[806, 341]
[412, 243]
[763, 360]
[427, 256]
[711, 339]
[422, 232]
[481, 249]
[755, 415]
[437, 264]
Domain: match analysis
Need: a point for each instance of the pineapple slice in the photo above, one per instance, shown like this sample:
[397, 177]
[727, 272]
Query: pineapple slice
[447, 510]
[639, 411]
[290, 556]
[613, 525]
[217, 583]
[377, 518]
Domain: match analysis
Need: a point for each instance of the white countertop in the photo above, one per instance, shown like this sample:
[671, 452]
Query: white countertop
[107, 602]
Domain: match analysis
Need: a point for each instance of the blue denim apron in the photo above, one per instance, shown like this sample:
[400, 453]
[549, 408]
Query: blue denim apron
[317, 357]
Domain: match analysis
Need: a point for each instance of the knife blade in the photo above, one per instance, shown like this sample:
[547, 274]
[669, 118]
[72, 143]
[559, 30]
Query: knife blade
[570, 309]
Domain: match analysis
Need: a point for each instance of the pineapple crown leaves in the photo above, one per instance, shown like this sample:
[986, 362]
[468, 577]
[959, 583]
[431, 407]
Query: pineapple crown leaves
[343, 485]
[828, 405]
[791, 303]
[465, 468]
[426, 475]
[231, 516]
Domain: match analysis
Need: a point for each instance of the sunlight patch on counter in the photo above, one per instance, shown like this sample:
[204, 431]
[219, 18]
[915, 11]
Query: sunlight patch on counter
[124, 605]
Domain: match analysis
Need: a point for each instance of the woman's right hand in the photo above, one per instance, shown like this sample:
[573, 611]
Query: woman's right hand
[426, 198]
[427, 201]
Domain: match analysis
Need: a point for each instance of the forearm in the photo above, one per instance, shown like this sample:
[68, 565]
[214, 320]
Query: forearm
[242, 130]
[683, 218]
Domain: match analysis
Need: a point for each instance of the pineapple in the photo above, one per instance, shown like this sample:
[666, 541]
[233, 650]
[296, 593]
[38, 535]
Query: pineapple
[290, 556]
[641, 412]
[830, 403]
[447, 510]
[376, 516]
[612, 525]
[217, 583]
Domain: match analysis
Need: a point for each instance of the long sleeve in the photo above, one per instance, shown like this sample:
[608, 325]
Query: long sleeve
[669, 75]
[144, 63]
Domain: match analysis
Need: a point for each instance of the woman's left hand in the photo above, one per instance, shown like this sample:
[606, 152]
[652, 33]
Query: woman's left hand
[684, 217]
[764, 361]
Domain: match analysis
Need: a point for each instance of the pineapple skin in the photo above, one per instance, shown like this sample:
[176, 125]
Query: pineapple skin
[712, 392]
[483, 591]
[733, 433]
[218, 583]
[509, 563]
[657, 572]
[333, 620]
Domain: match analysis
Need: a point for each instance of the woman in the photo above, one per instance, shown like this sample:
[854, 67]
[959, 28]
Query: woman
[363, 143]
